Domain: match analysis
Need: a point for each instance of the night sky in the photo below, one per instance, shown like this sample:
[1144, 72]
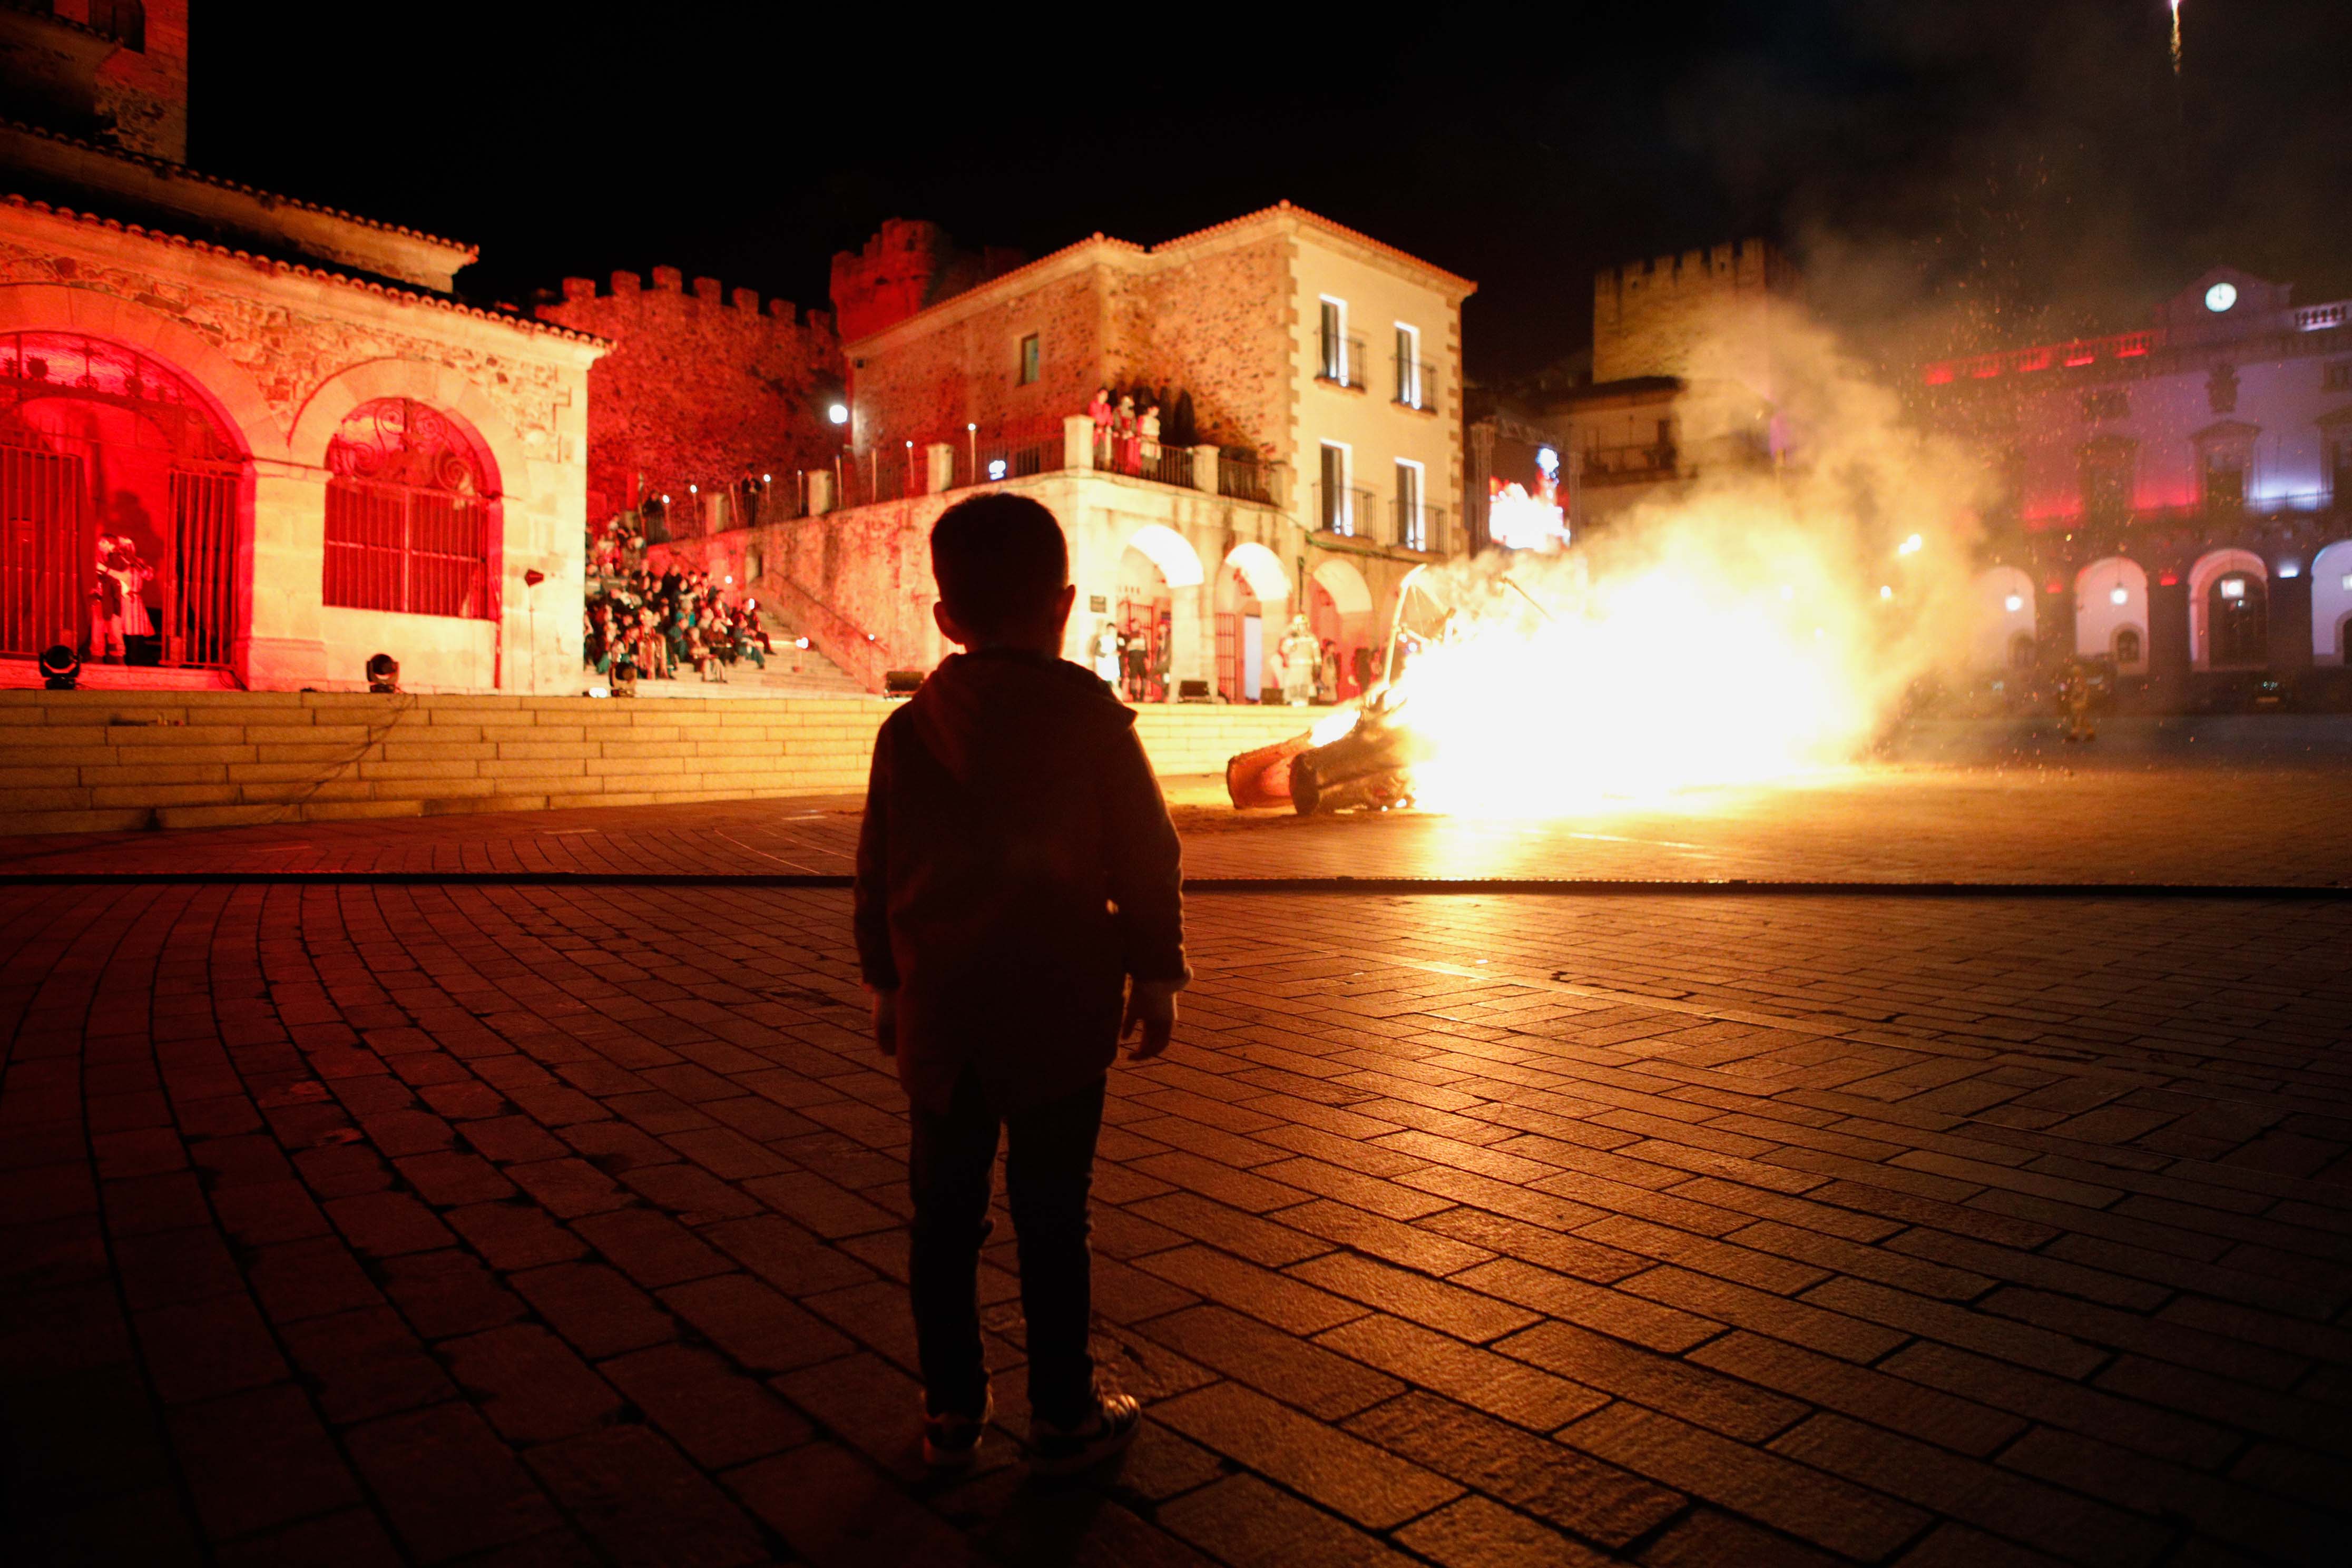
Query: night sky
[1954, 172]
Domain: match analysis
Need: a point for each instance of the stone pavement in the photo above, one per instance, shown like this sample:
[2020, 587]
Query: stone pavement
[544, 1224]
[2265, 827]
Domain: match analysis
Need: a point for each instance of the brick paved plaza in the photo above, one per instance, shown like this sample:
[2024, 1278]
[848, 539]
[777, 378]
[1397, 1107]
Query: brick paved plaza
[365, 1222]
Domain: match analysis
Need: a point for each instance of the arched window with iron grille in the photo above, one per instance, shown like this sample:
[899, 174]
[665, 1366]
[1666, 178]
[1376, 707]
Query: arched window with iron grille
[411, 514]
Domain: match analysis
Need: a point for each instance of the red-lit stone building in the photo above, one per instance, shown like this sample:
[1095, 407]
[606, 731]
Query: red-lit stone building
[2179, 499]
[1308, 448]
[246, 440]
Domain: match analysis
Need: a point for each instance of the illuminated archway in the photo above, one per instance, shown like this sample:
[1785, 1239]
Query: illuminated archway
[1339, 612]
[1261, 570]
[2228, 610]
[2005, 612]
[2111, 597]
[123, 500]
[1172, 552]
[1346, 585]
[1253, 607]
[2331, 600]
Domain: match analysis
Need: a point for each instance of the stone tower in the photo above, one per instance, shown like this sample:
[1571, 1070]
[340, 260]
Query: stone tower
[114, 72]
[1705, 313]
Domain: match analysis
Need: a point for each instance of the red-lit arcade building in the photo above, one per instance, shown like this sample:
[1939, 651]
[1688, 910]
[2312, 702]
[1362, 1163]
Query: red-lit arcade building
[2179, 500]
[249, 441]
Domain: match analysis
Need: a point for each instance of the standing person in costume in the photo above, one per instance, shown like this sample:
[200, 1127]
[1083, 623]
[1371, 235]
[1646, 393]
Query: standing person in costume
[1299, 657]
[1105, 652]
[1101, 413]
[1147, 431]
[1123, 435]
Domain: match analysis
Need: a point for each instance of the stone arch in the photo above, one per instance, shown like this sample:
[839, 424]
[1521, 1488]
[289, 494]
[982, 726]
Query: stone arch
[438, 388]
[2005, 612]
[1346, 585]
[2331, 600]
[233, 397]
[1262, 570]
[1170, 552]
[2100, 615]
[2209, 569]
[1340, 611]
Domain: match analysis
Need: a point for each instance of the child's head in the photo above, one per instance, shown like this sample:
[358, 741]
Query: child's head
[1003, 573]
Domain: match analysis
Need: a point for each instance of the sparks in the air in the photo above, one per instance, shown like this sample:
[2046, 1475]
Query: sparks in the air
[2176, 37]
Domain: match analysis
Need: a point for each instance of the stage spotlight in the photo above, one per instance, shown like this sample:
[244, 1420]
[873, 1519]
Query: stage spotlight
[60, 667]
[384, 674]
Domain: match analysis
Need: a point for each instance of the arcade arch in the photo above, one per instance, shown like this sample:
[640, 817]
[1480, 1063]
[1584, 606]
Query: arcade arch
[1340, 613]
[1253, 607]
[1156, 562]
[2004, 600]
[125, 494]
[2111, 613]
[2229, 611]
[2331, 602]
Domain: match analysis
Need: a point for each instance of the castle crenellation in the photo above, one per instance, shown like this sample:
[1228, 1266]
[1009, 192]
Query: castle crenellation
[1649, 316]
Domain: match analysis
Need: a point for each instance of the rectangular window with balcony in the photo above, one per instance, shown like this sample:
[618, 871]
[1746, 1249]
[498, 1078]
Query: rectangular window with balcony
[1029, 360]
[1334, 342]
[2225, 477]
[2106, 471]
[1412, 375]
[1334, 513]
[1412, 517]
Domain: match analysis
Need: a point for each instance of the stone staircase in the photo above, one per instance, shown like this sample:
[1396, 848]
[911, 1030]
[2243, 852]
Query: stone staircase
[791, 672]
[96, 762]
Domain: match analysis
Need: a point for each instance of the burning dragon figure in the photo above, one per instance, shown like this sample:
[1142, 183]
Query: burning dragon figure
[1361, 757]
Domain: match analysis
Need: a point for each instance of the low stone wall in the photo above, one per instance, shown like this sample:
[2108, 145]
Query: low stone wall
[79, 762]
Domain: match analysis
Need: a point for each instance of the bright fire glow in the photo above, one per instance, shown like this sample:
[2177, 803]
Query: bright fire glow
[1740, 631]
[1673, 679]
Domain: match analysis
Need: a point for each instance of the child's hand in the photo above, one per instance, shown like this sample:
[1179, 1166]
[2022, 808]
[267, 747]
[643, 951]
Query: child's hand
[885, 1022]
[1152, 1003]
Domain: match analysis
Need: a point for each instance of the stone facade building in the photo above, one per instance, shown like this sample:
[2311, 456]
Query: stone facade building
[2179, 499]
[1306, 378]
[246, 440]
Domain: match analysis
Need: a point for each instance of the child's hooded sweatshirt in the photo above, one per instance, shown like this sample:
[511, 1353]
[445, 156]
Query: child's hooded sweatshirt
[1016, 864]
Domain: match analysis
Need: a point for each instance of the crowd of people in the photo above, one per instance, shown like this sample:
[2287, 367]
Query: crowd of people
[653, 627]
[1132, 657]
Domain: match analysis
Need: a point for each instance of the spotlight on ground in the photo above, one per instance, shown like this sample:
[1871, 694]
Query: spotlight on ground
[60, 667]
[382, 674]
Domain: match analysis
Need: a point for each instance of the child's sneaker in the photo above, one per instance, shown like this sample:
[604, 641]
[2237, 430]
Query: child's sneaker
[952, 1442]
[1109, 1426]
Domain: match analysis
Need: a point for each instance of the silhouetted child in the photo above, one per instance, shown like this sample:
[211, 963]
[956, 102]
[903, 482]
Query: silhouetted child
[1017, 868]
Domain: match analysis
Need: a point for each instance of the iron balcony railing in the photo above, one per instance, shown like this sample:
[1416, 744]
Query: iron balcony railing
[1416, 383]
[1344, 510]
[1158, 461]
[1244, 478]
[1630, 464]
[1416, 524]
[1342, 360]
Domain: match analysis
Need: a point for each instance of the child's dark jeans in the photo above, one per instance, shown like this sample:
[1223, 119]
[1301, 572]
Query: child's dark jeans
[1048, 1167]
